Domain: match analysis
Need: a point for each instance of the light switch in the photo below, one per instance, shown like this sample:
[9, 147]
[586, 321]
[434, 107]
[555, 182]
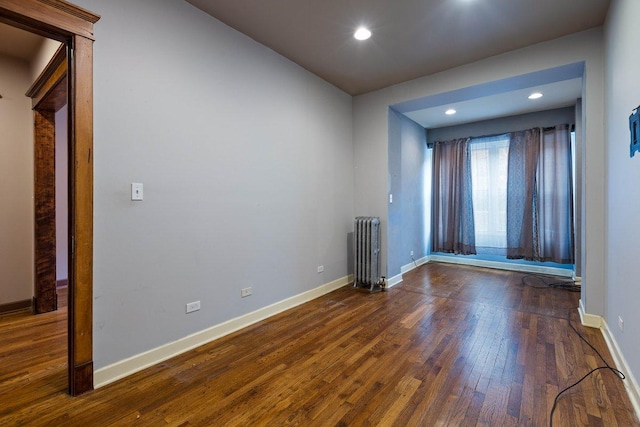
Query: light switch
[136, 191]
[390, 198]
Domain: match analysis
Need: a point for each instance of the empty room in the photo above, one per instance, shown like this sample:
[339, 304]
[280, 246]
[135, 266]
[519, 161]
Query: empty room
[319, 213]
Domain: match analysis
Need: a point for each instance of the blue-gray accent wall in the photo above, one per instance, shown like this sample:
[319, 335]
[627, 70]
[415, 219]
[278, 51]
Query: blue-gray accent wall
[409, 184]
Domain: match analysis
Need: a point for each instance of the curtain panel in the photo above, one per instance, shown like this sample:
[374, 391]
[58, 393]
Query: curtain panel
[555, 196]
[452, 216]
[540, 196]
[524, 150]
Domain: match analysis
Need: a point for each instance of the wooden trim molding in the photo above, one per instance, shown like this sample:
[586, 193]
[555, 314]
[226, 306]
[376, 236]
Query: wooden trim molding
[60, 20]
[73, 10]
[15, 306]
[48, 94]
[45, 211]
[81, 221]
[56, 19]
[51, 84]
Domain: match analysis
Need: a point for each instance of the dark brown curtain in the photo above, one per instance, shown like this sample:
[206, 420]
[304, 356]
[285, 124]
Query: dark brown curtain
[524, 150]
[540, 196]
[555, 196]
[452, 222]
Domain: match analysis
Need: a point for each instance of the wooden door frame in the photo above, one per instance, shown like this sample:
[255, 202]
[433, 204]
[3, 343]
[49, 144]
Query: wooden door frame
[72, 25]
[48, 95]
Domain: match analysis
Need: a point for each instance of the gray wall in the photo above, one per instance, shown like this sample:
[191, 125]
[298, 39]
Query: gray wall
[408, 214]
[247, 165]
[504, 124]
[623, 176]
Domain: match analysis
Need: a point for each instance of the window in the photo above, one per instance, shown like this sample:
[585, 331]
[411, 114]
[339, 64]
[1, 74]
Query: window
[508, 195]
[489, 159]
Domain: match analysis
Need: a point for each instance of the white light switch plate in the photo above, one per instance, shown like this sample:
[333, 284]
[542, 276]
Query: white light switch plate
[136, 191]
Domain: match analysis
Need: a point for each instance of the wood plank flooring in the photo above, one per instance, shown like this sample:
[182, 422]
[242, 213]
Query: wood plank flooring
[450, 346]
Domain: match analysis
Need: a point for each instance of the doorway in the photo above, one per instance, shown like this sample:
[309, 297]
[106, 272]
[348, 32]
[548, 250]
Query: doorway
[73, 26]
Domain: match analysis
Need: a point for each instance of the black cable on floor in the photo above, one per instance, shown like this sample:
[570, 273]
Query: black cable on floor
[550, 282]
[606, 367]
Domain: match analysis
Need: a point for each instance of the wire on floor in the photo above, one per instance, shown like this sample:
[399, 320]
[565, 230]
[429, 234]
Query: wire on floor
[599, 368]
[544, 281]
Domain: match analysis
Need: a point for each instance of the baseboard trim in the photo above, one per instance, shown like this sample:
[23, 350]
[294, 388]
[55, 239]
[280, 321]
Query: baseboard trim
[411, 266]
[62, 283]
[392, 281]
[10, 307]
[589, 320]
[131, 365]
[504, 266]
[630, 383]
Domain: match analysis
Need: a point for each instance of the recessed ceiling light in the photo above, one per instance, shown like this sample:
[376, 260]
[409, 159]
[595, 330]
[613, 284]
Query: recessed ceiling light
[535, 95]
[450, 111]
[362, 33]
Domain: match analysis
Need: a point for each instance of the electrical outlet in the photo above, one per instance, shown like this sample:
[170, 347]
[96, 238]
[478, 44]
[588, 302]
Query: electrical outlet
[620, 323]
[245, 292]
[193, 306]
[411, 253]
[320, 268]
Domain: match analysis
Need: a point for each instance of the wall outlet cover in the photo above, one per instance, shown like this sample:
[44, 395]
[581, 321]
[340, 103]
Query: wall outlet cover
[193, 306]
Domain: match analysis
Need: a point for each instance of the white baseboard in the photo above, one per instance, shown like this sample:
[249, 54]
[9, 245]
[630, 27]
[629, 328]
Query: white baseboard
[504, 265]
[590, 320]
[131, 365]
[630, 382]
[392, 281]
[408, 267]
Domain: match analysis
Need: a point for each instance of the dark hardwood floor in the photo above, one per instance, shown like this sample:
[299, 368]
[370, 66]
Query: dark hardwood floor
[449, 346]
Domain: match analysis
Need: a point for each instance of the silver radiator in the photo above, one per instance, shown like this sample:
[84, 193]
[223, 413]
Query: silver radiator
[367, 252]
